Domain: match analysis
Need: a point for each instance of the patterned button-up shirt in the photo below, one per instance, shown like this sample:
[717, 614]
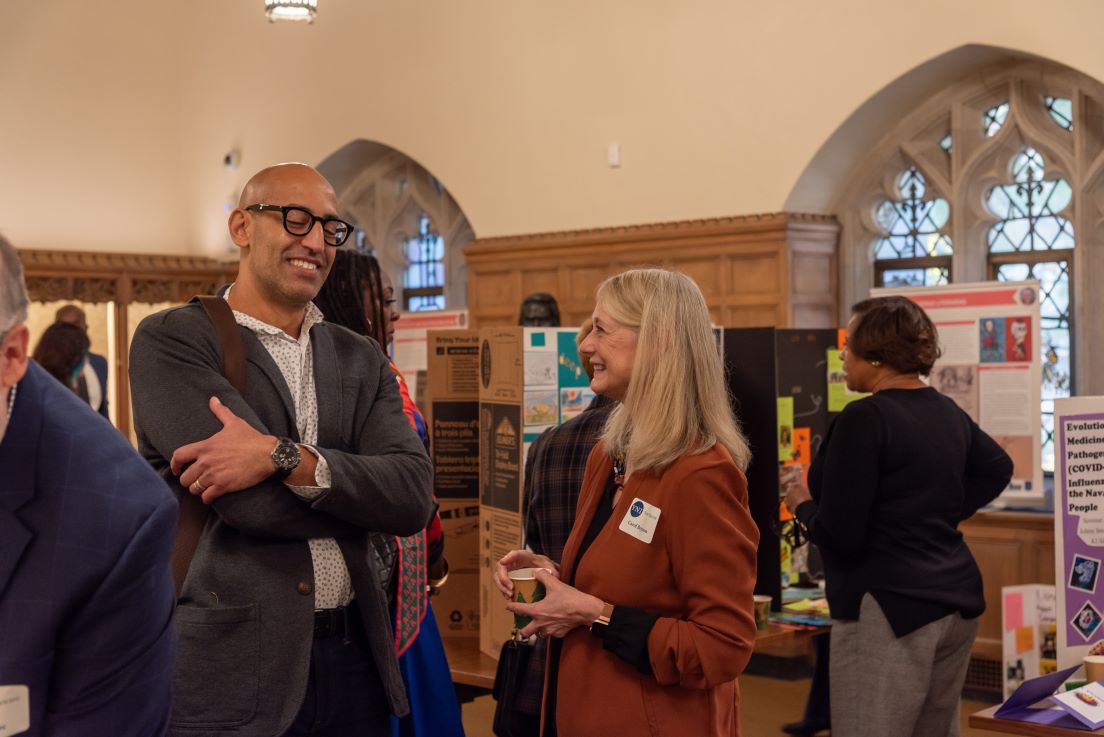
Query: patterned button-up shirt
[294, 358]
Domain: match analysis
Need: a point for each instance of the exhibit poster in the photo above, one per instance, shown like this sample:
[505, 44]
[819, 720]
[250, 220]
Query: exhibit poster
[991, 365]
[1079, 526]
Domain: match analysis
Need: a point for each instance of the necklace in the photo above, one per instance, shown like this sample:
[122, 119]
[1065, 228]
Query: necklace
[11, 404]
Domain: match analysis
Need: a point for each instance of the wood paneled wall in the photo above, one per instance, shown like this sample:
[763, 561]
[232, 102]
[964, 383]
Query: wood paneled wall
[122, 279]
[1011, 548]
[764, 270]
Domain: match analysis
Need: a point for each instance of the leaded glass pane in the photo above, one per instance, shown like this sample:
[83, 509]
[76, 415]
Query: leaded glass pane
[1054, 329]
[425, 268]
[912, 226]
[946, 143]
[1061, 111]
[1028, 209]
[993, 119]
[426, 303]
[921, 277]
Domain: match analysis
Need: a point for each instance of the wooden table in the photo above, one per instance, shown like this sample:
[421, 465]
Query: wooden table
[471, 667]
[984, 719]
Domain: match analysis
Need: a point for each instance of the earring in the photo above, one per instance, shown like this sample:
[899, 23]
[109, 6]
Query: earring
[369, 321]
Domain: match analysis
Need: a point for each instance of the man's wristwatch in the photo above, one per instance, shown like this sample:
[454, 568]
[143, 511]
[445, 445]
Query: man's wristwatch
[285, 458]
[599, 626]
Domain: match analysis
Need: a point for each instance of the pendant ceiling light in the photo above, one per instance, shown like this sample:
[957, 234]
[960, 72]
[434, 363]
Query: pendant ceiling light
[291, 10]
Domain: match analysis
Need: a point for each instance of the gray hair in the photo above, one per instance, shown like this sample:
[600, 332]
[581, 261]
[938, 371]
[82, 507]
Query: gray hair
[13, 292]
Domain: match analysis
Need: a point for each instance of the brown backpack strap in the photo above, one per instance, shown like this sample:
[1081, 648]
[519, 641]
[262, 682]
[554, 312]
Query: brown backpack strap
[193, 512]
[229, 335]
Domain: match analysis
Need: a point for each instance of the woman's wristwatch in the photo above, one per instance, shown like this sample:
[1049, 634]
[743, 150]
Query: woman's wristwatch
[599, 626]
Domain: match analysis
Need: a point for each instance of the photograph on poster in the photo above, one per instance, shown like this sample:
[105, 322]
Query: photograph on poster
[960, 384]
[1087, 620]
[1027, 296]
[1083, 573]
[991, 339]
[1018, 340]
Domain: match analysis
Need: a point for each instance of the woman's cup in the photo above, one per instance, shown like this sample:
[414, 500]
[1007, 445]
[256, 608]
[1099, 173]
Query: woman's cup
[1094, 667]
[527, 590]
[762, 611]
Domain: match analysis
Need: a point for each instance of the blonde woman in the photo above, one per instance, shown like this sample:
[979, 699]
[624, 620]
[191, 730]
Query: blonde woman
[650, 612]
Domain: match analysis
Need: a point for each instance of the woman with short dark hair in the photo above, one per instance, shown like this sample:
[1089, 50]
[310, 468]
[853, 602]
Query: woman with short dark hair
[896, 473]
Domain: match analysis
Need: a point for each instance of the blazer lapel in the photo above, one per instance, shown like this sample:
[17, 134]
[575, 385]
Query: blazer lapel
[18, 456]
[327, 387]
[256, 354]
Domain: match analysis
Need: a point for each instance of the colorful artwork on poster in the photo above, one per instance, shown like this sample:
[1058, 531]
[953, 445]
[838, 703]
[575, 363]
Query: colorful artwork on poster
[1017, 341]
[785, 427]
[839, 396]
[992, 339]
[541, 407]
[1087, 620]
[573, 400]
[1083, 573]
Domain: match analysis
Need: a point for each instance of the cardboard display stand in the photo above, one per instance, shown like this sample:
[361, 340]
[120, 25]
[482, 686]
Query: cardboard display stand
[452, 419]
[530, 379]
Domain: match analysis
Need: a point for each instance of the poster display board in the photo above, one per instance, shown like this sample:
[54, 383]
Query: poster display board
[991, 366]
[1079, 526]
[530, 379]
[779, 382]
[409, 350]
[1028, 634]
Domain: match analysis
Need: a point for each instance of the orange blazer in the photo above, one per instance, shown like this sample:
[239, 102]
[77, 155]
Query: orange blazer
[697, 573]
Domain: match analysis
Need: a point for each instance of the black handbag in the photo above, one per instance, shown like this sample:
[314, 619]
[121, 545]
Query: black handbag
[517, 712]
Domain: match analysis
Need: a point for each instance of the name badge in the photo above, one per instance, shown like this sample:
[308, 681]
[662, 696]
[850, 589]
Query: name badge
[640, 521]
[15, 710]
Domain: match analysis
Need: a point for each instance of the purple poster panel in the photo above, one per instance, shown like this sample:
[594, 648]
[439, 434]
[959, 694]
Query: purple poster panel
[1079, 507]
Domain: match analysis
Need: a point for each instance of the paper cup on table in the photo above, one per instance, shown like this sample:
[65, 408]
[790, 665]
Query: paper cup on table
[1094, 667]
[762, 611]
[527, 590]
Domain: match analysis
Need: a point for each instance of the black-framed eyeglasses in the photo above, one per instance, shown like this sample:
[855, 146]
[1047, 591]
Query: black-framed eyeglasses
[300, 221]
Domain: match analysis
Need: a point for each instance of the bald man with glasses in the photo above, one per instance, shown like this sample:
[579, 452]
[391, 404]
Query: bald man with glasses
[283, 623]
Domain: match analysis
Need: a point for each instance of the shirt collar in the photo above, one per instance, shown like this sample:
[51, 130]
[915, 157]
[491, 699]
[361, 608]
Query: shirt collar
[311, 317]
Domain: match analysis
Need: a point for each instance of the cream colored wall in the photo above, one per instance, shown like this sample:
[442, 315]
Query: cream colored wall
[90, 150]
[718, 105]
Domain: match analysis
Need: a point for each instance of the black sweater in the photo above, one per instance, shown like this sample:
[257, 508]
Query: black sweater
[896, 473]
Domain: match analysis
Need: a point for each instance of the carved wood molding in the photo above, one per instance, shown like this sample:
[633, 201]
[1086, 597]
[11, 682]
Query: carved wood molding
[121, 277]
[726, 227]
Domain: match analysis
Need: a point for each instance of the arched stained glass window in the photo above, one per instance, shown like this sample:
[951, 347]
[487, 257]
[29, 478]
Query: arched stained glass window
[914, 249]
[993, 119]
[1034, 240]
[424, 277]
[1061, 110]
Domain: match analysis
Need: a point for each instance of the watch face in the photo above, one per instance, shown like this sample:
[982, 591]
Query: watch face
[286, 456]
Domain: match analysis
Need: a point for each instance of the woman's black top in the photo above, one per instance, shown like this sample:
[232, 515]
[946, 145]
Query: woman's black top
[896, 473]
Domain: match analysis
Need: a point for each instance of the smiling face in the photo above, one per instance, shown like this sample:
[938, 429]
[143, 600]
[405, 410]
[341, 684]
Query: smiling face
[286, 270]
[611, 350]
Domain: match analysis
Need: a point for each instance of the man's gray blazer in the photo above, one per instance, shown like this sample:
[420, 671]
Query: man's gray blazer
[244, 620]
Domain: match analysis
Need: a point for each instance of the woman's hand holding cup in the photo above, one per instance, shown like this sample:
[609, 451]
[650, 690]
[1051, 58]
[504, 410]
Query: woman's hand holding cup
[516, 559]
